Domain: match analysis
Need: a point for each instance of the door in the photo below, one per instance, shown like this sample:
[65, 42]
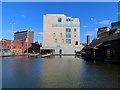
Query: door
[60, 51]
[108, 53]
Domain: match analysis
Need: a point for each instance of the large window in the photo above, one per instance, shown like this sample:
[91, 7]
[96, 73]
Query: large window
[68, 35]
[59, 20]
[68, 41]
[68, 29]
[75, 29]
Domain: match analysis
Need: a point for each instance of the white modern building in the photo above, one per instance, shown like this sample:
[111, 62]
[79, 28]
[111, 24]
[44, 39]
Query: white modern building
[61, 33]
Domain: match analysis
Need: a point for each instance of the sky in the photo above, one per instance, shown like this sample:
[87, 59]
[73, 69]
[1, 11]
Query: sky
[28, 15]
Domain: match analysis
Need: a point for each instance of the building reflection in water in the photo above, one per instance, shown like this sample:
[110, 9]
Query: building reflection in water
[58, 72]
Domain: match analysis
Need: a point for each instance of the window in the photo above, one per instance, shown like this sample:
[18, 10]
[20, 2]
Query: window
[75, 30]
[14, 46]
[68, 19]
[56, 40]
[62, 40]
[61, 34]
[59, 20]
[75, 36]
[54, 34]
[68, 29]
[68, 35]
[76, 43]
[68, 41]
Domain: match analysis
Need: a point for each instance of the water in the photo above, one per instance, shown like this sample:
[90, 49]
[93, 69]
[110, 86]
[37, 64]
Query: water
[58, 72]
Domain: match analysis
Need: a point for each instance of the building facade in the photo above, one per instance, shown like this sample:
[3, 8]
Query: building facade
[61, 33]
[16, 46]
[20, 35]
[115, 27]
[103, 32]
[35, 48]
[115, 24]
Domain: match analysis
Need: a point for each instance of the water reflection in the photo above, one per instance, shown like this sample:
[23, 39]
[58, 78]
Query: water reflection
[58, 72]
[60, 56]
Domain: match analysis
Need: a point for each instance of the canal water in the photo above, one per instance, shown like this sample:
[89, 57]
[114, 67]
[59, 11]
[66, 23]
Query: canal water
[58, 72]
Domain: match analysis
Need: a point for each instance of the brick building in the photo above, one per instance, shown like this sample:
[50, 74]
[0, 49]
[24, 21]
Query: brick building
[35, 48]
[20, 35]
[16, 46]
[22, 39]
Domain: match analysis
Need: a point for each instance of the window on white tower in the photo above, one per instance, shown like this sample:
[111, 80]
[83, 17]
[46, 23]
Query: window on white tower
[62, 40]
[75, 29]
[68, 41]
[54, 34]
[59, 20]
[61, 34]
[56, 40]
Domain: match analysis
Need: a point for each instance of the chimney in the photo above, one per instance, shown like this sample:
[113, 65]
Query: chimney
[88, 39]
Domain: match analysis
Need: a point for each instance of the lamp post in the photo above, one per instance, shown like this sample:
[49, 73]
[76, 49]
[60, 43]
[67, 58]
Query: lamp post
[12, 26]
[37, 36]
[93, 21]
[27, 41]
[39, 43]
[94, 50]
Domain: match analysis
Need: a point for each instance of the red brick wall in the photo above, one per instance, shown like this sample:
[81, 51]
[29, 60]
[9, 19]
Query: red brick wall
[17, 45]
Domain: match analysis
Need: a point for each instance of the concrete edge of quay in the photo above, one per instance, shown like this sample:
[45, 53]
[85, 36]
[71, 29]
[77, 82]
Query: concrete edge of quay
[12, 55]
[42, 56]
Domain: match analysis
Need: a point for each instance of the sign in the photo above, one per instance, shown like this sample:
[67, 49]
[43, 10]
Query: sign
[65, 25]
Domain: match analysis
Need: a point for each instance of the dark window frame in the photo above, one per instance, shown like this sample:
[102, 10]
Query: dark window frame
[59, 19]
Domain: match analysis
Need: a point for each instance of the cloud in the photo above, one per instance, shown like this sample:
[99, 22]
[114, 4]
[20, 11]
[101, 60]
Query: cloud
[40, 33]
[105, 22]
[23, 16]
[91, 19]
[85, 26]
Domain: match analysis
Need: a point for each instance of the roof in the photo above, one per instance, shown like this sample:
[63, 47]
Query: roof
[23, 31]
[56, 14]
[97, 42]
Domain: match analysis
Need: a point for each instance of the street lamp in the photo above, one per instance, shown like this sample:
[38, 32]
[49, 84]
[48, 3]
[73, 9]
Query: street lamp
[93, 20]
[37, 36]
[12, 26]
[27, 41]
[94, 50]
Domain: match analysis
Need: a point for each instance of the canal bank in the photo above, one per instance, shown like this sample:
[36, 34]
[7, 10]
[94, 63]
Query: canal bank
[58, 72]
[29, 55]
